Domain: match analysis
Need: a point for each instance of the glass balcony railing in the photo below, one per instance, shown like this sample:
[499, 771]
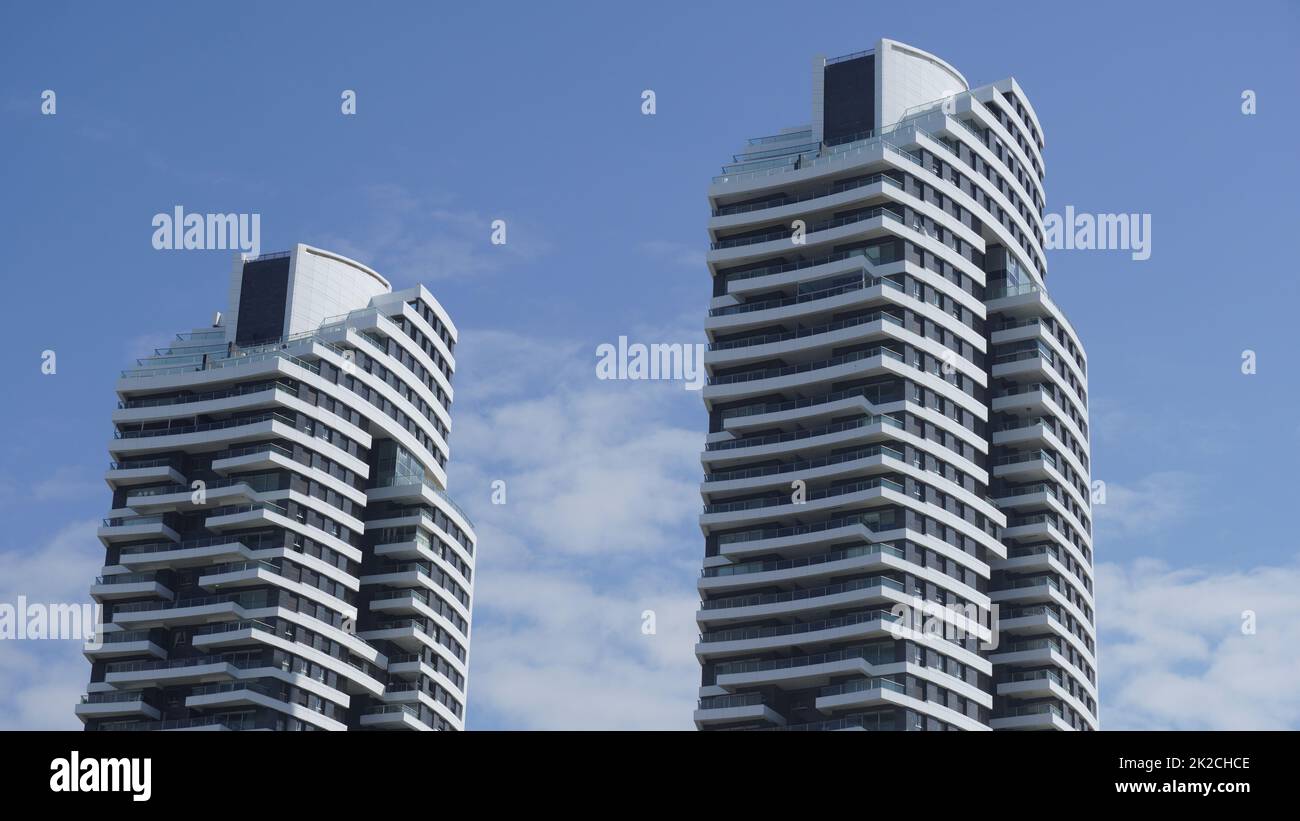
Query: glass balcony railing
[124, 636]
[123, 697]
[133, 521]
[876, 395]
[257, 484]
[238, 567]
[237, 687]
[1032, 387]
[897, 136]
[242, 722]
[206, 426]
[824, 225]
[231, 510]
[250, 542]
[874, 255]
[1012, 324]
[815, 330]
[1023, 356]
[1014, 290]
[1033, 644]
[240, 660]
[1035, 581]
[883, 722]
[1027, 490]
[190, 398]
[863, 685]
[1034, 550]
[780, 138]
[807, 561]
[757, 599]
[392, 709]
[750, 158]
[394, 481]
[870, 521]
[126, 578]
[249, 600]
[748, 633]
[1007, 614]
[1035, 519]
[789, 370]
[213, 363]
[827, 191]
[1037, 675]
[1033, 456]
[738, 700]
[137, 464]
[861, 284]
[1034, 710]
[884, 654]
[808, 464]
[245, 450]
[828, 493]
[234, 626]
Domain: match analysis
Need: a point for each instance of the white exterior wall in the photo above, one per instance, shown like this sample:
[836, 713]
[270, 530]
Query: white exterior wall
[323, 285]
[906, 76]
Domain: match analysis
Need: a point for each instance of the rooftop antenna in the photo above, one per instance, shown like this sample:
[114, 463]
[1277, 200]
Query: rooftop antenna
[216, 320]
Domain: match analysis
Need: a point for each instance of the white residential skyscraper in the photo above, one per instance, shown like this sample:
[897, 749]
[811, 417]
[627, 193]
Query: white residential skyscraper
[898, 421]
[281, 551]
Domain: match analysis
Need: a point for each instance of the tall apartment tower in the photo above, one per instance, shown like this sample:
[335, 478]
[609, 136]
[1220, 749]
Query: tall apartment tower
[897, 457]
[282, 552]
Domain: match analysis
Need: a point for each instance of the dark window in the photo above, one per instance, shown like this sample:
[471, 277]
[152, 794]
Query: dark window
[263, 292]
[850, 99]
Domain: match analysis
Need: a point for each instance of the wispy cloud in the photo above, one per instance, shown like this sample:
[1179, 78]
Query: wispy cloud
[433, 237]
[1173, 654]
[68, 483]
[1166, 433]
[65, 484]
[675, 253]
[1154, 502]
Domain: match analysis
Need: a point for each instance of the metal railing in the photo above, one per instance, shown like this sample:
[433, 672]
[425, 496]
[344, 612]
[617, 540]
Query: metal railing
[870, 521]
[802, 595]
[867, 281]
[789, 370]
[748, 633]
[815, 330]
[828, 493]
[808, 464]
[807, 561]
[778, 438]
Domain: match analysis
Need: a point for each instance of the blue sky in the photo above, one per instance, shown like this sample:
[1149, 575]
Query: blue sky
[531, 113]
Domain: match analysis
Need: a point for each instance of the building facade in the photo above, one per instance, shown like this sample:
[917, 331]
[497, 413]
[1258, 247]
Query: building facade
[896, 494]
[281, 551]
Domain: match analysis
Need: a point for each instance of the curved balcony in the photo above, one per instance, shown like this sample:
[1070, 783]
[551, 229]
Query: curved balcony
[770, 605]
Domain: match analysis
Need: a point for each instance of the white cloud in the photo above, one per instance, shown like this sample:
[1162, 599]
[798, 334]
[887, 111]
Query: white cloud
[1153, 502]
[1173, 655]
[555, 652]
[42, 680]
[591, 467]
[600, 525]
